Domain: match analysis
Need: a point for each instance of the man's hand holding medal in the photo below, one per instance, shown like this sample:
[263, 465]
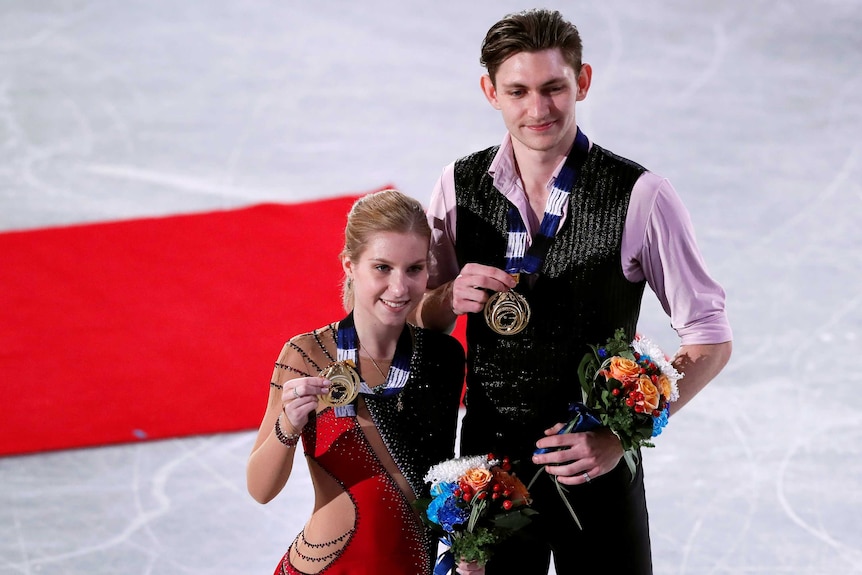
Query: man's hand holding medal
[481, 288]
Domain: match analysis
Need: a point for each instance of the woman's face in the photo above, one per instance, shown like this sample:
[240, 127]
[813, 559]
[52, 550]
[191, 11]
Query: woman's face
[389, 278]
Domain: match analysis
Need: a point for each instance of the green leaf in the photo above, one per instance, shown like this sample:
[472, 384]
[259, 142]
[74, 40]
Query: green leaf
[561, 490]
[477, 508]
[513, 520]
[477, 546]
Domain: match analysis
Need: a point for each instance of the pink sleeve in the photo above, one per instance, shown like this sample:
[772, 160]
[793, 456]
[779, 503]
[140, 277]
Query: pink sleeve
[443, 266]
[659, 245]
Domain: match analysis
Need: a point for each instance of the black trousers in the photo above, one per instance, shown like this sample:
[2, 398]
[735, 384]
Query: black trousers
[615, 536]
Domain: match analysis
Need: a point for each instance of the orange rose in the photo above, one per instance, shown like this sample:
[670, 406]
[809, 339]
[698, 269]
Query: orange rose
[649, 391]
[664, 386]
[477, 478]
[623, 370]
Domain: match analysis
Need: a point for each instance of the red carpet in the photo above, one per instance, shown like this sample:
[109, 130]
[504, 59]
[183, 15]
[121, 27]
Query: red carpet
[161, 327]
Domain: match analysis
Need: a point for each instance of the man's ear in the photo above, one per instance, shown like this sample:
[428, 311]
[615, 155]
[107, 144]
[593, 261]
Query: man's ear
[489, 90]
[585, 78]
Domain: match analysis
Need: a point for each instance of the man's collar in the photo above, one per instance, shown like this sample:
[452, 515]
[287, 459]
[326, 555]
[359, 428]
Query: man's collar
[504, 170]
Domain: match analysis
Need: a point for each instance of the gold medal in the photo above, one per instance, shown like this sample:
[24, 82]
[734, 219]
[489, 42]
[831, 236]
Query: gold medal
[343, 384]
[507, 312]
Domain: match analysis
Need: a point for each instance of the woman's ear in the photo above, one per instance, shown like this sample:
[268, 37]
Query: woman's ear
[347, 266]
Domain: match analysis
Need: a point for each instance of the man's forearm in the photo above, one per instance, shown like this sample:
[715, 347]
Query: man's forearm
[700, 364]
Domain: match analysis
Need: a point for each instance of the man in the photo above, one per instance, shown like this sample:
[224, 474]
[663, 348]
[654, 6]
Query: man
[576, 231]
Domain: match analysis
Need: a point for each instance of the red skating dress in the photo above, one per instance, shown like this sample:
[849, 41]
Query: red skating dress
[417, 429]
[388, 537]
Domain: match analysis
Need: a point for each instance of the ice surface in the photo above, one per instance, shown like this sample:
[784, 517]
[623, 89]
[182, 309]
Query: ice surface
[114, 110]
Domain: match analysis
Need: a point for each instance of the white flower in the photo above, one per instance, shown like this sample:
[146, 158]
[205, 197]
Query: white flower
[646, 347]
[452, 470]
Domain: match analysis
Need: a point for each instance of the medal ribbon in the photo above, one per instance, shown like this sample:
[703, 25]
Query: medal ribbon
[399, 371]
[518, 258]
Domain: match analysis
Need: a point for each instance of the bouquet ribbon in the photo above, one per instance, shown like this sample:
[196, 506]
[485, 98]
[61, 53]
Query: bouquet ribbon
[446, 561]
[580, 419]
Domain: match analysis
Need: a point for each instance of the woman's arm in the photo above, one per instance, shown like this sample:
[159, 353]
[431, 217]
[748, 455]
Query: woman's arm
[271, 460]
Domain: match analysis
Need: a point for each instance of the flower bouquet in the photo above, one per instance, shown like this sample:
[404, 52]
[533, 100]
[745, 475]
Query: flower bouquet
[630, 387]
[627, 387]
[475, 504]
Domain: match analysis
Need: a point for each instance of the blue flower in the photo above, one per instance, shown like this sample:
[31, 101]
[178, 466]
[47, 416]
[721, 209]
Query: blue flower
[451, 514]
[603, 353]
[442, 492]
[443, 488]
[659, 422]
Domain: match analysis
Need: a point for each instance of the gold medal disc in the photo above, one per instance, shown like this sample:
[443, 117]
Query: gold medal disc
[343, 384]
[507, 312]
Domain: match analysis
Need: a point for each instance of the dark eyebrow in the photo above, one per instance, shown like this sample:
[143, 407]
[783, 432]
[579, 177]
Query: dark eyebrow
[519, 85]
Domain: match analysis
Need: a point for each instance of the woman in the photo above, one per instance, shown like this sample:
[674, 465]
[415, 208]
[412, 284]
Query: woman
[367, 456]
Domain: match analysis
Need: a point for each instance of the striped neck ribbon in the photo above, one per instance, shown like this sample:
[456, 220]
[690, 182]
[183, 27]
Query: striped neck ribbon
[518, 258]
[399, 371]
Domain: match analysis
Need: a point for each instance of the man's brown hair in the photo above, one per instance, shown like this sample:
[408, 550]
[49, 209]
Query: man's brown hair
[530, 31]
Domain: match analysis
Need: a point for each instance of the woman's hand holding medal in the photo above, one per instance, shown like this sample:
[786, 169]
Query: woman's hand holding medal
[299, 398]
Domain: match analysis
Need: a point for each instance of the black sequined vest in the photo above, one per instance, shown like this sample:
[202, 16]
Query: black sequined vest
[518, 386]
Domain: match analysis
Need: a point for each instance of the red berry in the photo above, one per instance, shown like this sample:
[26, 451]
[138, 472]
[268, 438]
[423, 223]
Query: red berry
[615, 391]
[482, 495]
[507, 493]
[630, 402]
[457, 493]
[497, 488]
[656, 413]
[495, 496]
[491, 456]
[467, 497]
[507, 505]
[506, 466]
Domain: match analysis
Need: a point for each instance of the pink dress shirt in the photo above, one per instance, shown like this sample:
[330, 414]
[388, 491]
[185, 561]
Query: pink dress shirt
[658, 246]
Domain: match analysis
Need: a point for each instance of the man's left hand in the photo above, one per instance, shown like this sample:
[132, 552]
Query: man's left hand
[579, 457]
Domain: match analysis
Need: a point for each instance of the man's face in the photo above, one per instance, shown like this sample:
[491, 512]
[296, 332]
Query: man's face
[536, 93]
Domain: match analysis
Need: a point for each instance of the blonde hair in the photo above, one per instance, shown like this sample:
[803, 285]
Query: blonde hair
[384, 211]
